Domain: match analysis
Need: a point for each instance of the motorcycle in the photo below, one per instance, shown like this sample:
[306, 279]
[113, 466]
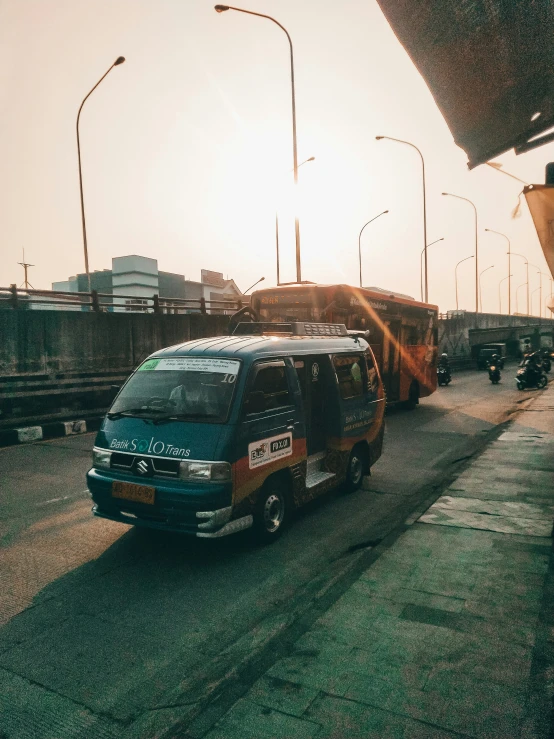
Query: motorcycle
[494, 374]
[443, 375]
[546, 363]
[526, 377]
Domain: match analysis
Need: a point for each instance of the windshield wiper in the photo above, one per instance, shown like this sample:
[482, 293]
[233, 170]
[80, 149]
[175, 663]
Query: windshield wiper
[133, 411]
[183, 416]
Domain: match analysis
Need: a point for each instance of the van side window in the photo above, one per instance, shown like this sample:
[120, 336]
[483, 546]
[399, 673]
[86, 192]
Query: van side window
[349, 375]
[372, 375]
[272, 382]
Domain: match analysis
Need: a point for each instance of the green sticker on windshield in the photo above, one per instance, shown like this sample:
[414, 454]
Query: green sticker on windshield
[150, 364]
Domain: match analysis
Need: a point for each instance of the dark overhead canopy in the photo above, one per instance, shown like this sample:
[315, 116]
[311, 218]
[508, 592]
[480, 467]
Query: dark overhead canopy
[489, 65]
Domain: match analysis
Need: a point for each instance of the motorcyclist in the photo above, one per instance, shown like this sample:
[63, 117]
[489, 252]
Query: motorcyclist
[533, 364]
[443, 362]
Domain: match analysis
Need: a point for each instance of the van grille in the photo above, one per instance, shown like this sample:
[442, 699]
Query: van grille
[162, 467]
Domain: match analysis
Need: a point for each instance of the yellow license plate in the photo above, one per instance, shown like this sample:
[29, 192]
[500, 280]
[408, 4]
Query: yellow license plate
[137, 493]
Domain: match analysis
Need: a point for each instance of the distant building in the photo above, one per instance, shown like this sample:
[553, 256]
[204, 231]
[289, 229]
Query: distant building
[133, 279]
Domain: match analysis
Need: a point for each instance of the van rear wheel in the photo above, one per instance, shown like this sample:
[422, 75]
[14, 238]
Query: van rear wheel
[355, 470]
[271, 512]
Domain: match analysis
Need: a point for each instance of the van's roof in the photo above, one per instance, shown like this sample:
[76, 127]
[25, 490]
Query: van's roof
[253, 347]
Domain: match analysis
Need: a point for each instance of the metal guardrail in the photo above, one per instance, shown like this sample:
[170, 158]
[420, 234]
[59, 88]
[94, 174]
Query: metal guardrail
[17, 298]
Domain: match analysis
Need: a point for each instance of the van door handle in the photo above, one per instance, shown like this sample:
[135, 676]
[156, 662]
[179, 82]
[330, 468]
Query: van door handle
[290, 425]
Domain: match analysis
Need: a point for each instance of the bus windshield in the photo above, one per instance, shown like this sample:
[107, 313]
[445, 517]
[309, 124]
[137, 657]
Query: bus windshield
[179, 388]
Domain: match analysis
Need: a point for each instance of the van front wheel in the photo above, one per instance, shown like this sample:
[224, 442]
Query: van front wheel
[271, 513]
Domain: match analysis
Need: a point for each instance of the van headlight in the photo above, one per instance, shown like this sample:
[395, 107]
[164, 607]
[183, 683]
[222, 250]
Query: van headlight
[205, 471]
[101, 459]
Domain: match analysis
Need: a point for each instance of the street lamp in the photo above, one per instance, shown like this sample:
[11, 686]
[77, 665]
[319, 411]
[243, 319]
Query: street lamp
[509, 267]
[540, 278]
[311, 159]
[456, 275]
[543, 274]
[517, 289]
[401, 141]
[221, 9]
[476, 247]
[527, 283]
[421, 265]
[360, 241]
[118, 61]
[480, 293]
[499, 293]
[254, 285]
[534, 291]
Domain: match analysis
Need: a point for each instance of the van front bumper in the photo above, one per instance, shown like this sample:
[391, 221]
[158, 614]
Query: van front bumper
[202, 510]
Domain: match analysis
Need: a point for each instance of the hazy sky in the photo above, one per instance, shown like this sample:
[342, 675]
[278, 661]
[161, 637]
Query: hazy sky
[187, 148]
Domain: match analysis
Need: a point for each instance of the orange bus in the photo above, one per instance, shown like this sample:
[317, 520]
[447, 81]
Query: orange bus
[403, 333]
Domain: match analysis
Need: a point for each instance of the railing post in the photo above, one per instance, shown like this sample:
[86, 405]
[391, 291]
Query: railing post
[95, 301]
[14, 299]
[157, 304]
[203, 306]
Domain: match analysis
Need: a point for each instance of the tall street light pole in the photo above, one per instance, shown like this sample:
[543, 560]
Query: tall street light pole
[408, 143]
[517, 290]
[543, 274]
[534, 291]
[223, 8]
[360, 241]
[119, 60]
[424, 250]
[311, 159]
[480, 293]
[492, 231]
[476, 247]
[527, 283]
[456, 275]
[499, 293]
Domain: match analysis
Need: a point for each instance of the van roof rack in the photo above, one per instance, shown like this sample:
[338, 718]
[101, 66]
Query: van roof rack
[297, 328]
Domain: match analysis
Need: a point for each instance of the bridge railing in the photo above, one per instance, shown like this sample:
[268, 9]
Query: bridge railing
[16, 298]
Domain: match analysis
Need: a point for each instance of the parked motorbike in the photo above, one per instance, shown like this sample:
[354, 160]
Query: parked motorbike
[494, 373]
[528, 377]
[546, 363]
[443, 375]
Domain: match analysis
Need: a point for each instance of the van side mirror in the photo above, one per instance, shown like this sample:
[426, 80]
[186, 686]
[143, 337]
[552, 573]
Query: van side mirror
[255, 402]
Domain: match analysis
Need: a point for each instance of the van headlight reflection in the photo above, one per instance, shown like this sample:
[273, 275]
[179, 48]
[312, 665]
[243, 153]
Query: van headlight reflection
[205, 471]
[101, 459]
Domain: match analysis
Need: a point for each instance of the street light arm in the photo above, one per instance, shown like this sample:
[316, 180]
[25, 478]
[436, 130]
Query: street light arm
[360, 241]
[222, 8]
[117, 62]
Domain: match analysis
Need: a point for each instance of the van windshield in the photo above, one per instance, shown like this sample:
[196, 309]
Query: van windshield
[179, 388]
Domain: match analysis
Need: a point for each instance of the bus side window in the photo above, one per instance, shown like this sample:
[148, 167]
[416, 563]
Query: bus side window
[372, 376]
[348, 368]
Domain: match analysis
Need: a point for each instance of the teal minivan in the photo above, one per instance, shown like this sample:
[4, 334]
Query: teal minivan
[223, 434]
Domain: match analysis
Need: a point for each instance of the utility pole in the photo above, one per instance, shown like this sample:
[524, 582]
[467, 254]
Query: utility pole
[26, 266]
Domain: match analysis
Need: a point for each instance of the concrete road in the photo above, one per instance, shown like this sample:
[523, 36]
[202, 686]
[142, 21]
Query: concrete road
[105, 624]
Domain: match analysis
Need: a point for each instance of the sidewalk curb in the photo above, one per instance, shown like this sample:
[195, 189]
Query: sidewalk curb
[207, 696]
[50, 430]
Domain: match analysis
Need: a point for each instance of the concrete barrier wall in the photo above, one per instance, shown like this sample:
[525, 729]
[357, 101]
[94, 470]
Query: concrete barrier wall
[56, 363]
[459, 333]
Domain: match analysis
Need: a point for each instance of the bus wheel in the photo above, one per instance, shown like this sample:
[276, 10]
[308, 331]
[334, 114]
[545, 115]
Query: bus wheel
[271, 512]
[413, 397]
[355, 470]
